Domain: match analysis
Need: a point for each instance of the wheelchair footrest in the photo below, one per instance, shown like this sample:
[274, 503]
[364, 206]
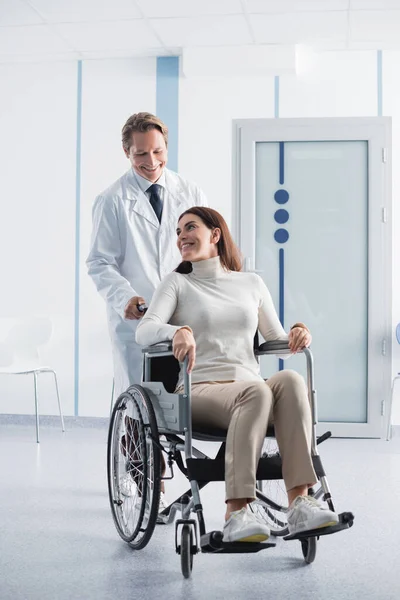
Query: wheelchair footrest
[345, 521]
[212, 542]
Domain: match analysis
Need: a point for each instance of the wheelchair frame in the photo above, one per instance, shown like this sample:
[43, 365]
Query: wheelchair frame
[172, 414]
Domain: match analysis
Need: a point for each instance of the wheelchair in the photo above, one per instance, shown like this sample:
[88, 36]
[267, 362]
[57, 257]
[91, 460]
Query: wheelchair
[143, 414]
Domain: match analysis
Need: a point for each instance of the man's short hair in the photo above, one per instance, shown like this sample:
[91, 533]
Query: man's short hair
[142, 122]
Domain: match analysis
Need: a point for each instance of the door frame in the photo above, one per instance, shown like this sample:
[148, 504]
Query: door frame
[376, 131]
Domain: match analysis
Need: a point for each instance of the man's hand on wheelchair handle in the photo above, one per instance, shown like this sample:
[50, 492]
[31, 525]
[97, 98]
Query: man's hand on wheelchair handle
[183, 344]
[299, 338]
[132, 311]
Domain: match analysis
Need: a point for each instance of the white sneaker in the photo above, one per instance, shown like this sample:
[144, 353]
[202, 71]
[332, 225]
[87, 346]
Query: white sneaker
[243, 526]
[127, 486]
[163, 503]
[306, 513]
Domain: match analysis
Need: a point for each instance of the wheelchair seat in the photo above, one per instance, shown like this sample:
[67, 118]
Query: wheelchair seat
[214, 434]
[209, 434]
[166, 370]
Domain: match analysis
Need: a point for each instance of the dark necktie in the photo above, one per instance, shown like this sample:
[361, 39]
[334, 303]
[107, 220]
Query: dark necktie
[156, 200]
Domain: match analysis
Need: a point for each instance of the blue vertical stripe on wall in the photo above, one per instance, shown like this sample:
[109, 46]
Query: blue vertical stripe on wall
[379, 81]
[281, 163]
[77, 234]
[281, 294]
[276, 96]
[281, 181]
[167, 103]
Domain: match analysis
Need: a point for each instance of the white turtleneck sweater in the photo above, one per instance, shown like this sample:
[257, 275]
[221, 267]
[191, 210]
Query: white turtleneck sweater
[224, 309]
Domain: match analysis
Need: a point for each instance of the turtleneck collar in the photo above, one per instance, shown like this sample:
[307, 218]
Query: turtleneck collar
[210, 268]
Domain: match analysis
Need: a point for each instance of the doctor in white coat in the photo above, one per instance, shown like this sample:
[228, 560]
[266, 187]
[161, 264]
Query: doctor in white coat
[133, 242]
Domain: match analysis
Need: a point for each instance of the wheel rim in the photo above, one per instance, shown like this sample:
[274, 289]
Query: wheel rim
[275, 491]
[128, 467]
[153, 470]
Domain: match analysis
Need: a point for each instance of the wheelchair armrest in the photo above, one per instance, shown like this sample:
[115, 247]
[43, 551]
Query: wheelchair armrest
[160, 347]
[273, 347]
[265, 348]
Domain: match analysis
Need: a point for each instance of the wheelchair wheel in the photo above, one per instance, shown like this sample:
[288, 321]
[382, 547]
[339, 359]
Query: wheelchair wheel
[186, 551]
[134, 467]
[274, 513]
[309, 549]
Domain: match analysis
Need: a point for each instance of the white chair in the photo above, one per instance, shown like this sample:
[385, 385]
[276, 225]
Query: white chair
[395, 378]
[19, 355]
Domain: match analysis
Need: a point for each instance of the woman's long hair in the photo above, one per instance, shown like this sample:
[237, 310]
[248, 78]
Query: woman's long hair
[229, 253]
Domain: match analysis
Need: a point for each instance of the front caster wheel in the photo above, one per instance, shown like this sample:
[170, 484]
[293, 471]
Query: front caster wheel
[186, 551]
[309, 548]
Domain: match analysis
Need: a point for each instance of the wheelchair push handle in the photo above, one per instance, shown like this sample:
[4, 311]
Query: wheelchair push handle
[142, 308]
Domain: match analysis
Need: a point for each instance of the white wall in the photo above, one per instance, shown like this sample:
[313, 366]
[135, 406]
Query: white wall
[391, 106]
[111, 92]
[37, 225]
[43, 197]
[207, 107]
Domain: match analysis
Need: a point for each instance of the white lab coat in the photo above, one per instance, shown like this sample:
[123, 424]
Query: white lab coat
[130, 253]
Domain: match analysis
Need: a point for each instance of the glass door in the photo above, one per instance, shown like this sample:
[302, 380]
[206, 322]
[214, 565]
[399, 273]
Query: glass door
[314, 224]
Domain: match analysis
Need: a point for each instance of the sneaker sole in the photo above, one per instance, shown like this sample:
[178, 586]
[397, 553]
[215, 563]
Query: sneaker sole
[258, 537]
[304, 529]
[328, 524]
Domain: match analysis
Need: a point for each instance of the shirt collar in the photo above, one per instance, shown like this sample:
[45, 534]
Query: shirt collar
[210, 268]
[144, 184]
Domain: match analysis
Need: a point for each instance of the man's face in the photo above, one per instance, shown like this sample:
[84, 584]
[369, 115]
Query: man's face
[148, 154]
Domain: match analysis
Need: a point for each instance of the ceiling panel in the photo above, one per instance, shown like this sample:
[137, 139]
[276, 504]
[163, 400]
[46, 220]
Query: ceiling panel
[374, 4]
[392, 44]
[71, 11]
[111, 35]
[189, 8]
[325, 45]
[294, 28]
[219, 31]
[375, 25]
[34, 39]
[134, 53]
[6, 59]
[16, 12]
[282, 6]
[115, 28]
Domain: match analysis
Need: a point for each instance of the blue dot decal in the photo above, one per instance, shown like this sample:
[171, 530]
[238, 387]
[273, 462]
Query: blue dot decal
[281, 196]
[281, 216]
[281, 236]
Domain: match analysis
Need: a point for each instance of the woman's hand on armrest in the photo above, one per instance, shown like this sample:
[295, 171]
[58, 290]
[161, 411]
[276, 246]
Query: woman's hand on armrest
[299, 337]
[183, 343]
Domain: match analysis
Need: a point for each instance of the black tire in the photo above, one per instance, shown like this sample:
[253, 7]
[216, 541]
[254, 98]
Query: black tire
[133, 452]
[153, 461]
[309, 549]
[127, 528]
[186, 551]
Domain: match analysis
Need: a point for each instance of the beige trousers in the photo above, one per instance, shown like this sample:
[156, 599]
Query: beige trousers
[245, 409]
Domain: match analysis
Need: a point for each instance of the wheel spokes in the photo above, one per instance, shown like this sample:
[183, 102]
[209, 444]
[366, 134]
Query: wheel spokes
[129, 468]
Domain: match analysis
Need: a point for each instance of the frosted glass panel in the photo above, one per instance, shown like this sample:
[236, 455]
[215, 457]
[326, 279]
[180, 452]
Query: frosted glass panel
[312, 249]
